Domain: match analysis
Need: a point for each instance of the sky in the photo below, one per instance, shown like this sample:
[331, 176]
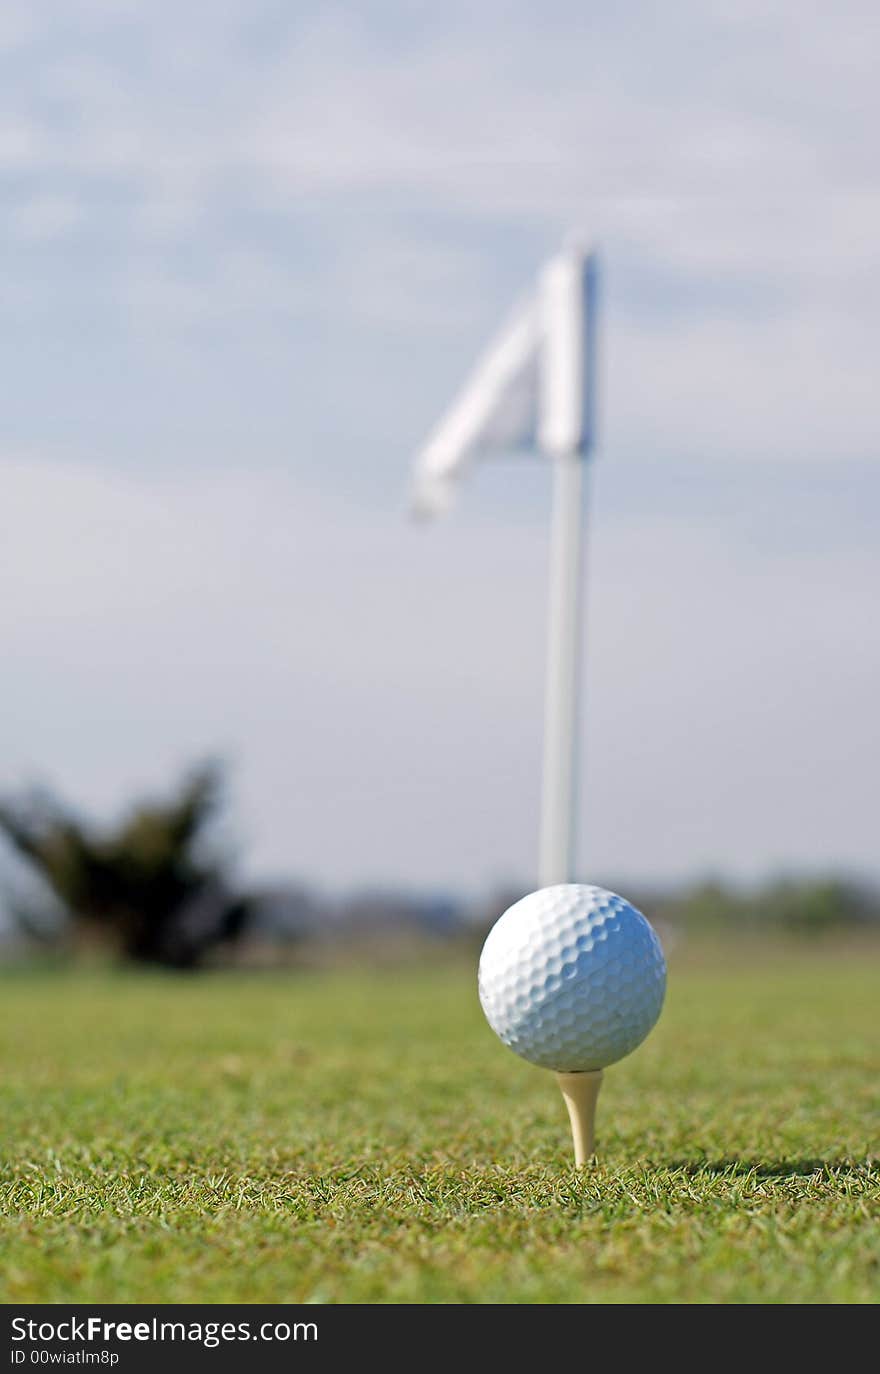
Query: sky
[249, 252]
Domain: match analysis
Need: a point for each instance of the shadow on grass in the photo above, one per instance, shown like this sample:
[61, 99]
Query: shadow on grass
[771, 1168]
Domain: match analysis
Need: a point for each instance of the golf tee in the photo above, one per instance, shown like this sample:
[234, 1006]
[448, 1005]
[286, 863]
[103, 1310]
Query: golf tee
[580, 1091]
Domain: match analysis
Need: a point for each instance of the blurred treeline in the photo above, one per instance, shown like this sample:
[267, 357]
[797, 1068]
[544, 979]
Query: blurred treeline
[153, 888]
[157, 888]
[787, 905]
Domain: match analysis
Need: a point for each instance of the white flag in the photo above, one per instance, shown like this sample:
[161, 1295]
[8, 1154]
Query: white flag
[532, 389]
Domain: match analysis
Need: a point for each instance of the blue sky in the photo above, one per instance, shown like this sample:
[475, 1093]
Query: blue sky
[250, 250]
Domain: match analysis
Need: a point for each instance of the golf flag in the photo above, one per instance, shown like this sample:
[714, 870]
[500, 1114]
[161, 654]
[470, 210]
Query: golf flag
[532, 389]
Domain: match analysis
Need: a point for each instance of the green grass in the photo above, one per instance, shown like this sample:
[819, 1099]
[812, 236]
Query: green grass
[364, 1138]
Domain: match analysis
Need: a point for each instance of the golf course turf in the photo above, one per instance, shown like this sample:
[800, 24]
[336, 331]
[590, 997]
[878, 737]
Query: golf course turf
[363, 1137]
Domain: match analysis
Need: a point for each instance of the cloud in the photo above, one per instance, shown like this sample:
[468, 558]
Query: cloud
[400, 177]
[46, 217]
[494, 111]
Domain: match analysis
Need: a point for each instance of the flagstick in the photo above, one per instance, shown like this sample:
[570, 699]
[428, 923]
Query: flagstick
[556, 858]
[580, 1091]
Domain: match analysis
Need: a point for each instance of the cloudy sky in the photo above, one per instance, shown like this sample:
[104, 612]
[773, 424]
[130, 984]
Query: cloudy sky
[249, 250]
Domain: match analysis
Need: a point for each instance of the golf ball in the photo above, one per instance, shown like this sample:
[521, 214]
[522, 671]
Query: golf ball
[572, 978]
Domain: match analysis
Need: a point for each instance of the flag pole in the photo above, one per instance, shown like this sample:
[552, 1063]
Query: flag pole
[535, 387]
[561, 715]
[569, 298]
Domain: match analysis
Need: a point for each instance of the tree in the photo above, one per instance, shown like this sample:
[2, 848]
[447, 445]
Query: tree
[149, 886]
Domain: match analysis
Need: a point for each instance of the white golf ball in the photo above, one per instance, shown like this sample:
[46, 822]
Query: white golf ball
[572, 978]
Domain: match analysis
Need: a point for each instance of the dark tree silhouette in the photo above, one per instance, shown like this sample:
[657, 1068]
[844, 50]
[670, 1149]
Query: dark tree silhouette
[149, 886]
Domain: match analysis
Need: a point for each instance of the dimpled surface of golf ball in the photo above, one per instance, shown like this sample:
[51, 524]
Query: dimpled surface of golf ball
[572, 978]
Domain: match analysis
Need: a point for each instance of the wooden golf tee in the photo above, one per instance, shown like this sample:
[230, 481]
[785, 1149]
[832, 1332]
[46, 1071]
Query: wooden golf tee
[580, 1091]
